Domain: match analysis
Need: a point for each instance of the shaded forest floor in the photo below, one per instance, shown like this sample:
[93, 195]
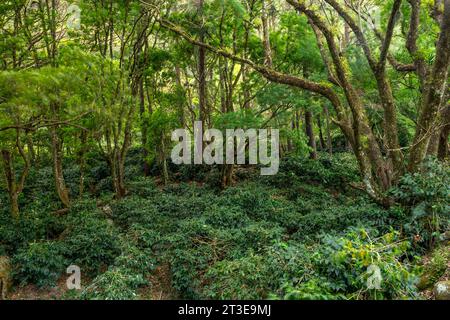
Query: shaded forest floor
[302, 234]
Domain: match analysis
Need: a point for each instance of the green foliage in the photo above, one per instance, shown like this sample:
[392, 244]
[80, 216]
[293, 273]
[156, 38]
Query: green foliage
[314, 289]
[38, 224]
[122, 280]
[242, 119]
[160, 125]
[334, 172]
[114, 284]
[90, 242]
[300, 142]
[345, 261]
[427, 194]
[106, 97]
[41, 263]
[341, 264]
[259, 239]
[246, 278]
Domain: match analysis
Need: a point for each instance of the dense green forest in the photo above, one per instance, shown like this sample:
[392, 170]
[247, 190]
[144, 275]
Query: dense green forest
[91, 92]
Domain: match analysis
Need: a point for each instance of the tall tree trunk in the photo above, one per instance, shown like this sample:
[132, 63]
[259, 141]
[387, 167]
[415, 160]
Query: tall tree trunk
[82, 161]
[202, 69]
[57, 157]
[443, 150]
[180, 88]
[227, 175]
[10, 182]
[122, 191]
[266, 35]
[390, 125]
[144, 128]
[329, 140]
[433, 145]
[117, 175]
[140, 56]
[433, 96]
[309, 128]
[14, 187]
[321, 138]
[163, 160]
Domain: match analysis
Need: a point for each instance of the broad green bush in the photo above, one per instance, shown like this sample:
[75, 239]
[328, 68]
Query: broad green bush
[41, 263]
[337, 218]
[132, 210]
[244, 279]
[36, 224]
[143, 187]
[125, 276]
[334, 172]
[314, 289]
[115, 284]
[427, 194]
[345, 262]
[340, 267]
[138, 260]
[226, 217]
[91, 242]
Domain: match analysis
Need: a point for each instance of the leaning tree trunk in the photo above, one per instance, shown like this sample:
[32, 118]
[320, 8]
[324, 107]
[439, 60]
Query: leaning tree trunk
[14, 187]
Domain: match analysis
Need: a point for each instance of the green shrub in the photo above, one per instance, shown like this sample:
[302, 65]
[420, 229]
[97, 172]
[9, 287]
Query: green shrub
[335, 218]
[143, 187]
[144, 236]
[427, 194]
[334, 172]
[182, 207]
[259, 235]
[41, 263]
[138, 260]
[193, 249]
[345, 262]
[132, 210]
[115, 284]
[288, 263]
[242, 279]
[91, 242]
[34, 225]
[314, 289]
[128, 273]
[339, 268]
[226, 217]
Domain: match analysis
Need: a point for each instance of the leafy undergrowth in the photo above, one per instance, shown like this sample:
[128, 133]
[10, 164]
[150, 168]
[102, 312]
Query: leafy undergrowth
[302, 234]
